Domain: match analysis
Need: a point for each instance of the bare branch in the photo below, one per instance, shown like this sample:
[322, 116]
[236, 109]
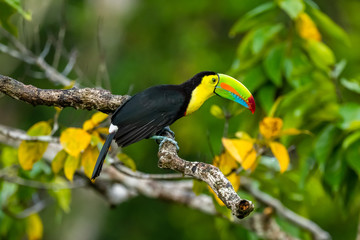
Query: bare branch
[26, 55]
[85, 98]
[6, 175]
[281, 210]
[21, 135]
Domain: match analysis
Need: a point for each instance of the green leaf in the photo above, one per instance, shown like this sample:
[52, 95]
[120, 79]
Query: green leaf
[63, 195]
[324, 144]
[273, 63]
[264, 35]
[5, 13]
[254, 78]
[352, 85]
[15, 4]
[251, 18]
[199, 187]
[352, 157]
[292, 7]
[352, 138]
[328, 26]
[335, 169]
[339, 68]
[296, 64]
[266, 96]
[320, 54]
[7, 190]
[350, 113]
[9, 156]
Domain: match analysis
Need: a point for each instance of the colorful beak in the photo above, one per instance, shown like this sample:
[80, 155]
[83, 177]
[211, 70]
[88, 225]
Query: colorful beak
[232, 89]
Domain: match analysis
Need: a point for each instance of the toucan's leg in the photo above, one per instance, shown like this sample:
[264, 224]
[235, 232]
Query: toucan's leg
[164, 139]
[167, 129]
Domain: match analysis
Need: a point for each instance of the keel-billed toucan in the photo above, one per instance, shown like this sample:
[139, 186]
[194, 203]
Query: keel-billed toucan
[147, 113]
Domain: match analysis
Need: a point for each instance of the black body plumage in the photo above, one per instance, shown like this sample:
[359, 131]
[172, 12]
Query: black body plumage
[147, 113]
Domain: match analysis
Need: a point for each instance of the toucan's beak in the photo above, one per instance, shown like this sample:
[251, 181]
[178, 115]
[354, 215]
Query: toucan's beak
[234, 90]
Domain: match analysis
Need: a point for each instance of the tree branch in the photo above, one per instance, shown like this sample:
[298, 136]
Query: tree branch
[29, 57]
[306, 224]
[85, 98]
[208, 173]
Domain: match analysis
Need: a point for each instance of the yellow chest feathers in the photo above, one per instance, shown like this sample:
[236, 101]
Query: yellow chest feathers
[200, 94]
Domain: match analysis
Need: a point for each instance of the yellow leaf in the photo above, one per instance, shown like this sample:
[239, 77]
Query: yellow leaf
[34, 227]
[243, 135]
[71, 85]
[58, 109]
[88, 160]
[30, 152]
[94, 121]
[88, 125]
[127, 161]
[216, 111]
[74, 140]
[242, 151]
[103, 130]
[270, 127]
[98, 117]
[58, 162]
[307, 28]
[281, 154]
[70, 166]
[40, 129]
[227, 164]
[294, 131]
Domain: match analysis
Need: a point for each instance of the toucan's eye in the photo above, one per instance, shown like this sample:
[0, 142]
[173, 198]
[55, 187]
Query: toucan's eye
[214, 80]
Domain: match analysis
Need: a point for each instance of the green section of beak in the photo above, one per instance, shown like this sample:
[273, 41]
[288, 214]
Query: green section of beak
[230, 88]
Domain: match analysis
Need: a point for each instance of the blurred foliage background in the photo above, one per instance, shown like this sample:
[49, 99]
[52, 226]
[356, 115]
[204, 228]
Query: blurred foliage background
[302, 53]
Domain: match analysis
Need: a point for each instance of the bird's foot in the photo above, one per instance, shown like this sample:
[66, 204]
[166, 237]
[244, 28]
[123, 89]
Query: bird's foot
[163, 139]
[167, 129]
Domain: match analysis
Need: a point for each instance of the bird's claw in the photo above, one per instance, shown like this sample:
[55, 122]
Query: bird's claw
[163, 139]
[167, 129]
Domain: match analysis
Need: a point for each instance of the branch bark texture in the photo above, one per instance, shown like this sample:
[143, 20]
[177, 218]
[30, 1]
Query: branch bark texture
[208, 173]
[84, 98]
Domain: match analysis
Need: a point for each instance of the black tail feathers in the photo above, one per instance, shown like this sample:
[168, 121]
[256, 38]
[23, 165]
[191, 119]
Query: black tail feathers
[102, 155]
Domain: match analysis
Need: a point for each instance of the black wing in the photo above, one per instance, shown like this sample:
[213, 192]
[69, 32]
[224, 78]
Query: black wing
[147, 113]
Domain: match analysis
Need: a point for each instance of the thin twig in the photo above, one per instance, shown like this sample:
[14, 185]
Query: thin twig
[20, 135]
[280, 209]
[141, 175]
[26, 55]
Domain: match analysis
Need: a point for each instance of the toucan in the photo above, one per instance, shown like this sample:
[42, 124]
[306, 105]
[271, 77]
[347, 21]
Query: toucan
[149, 112]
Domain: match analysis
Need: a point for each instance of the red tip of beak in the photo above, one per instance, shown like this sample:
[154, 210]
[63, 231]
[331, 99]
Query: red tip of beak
[251, 103]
